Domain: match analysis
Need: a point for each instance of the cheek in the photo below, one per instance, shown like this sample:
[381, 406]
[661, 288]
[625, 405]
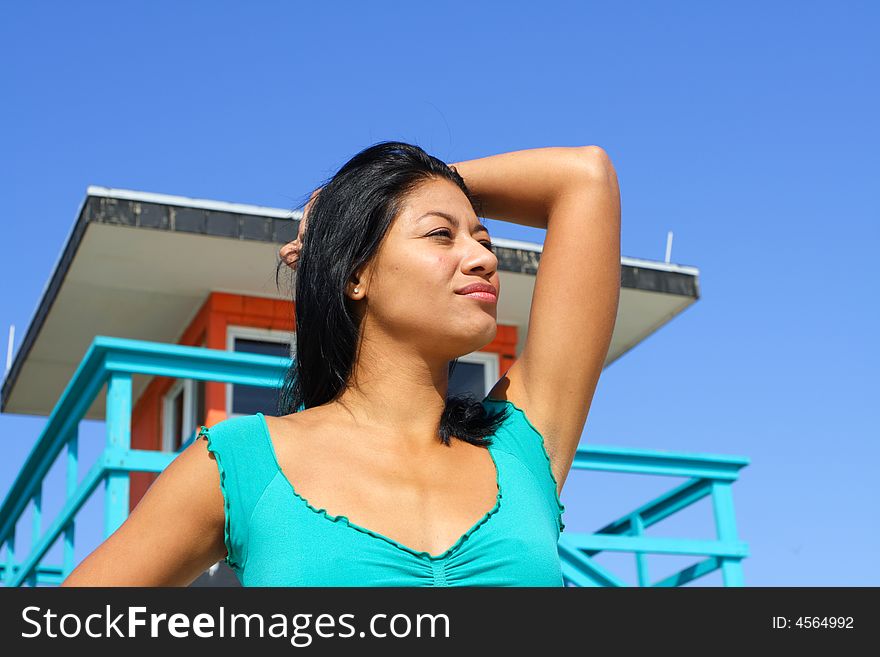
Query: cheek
[448, 264]
[427, 279]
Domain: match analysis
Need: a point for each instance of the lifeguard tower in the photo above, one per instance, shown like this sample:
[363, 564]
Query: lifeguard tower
[162, 314]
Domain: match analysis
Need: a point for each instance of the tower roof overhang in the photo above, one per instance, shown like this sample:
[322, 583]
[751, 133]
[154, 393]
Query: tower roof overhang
[139, 265]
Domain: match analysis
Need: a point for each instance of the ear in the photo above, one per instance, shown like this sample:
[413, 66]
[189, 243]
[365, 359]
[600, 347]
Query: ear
[352, 286]
[356, 282]
[361, 280]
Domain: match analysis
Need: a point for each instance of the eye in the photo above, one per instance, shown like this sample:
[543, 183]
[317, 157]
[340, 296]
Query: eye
[444, 232]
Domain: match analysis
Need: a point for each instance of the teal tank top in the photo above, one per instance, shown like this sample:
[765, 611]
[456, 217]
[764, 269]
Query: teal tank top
[275, 537]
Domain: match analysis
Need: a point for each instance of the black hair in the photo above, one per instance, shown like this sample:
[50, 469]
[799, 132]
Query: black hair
[347, 223]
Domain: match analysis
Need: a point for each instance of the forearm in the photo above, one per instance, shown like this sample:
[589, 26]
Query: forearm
[522, 186]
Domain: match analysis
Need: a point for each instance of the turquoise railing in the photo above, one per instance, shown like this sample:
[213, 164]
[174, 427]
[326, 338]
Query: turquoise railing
[114, 360]
[708, 474]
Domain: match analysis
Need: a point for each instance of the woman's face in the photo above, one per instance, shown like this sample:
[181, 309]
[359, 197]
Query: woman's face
[412, 283]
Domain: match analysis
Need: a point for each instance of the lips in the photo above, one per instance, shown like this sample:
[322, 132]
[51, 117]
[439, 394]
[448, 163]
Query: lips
[478, 287]
[480, 291]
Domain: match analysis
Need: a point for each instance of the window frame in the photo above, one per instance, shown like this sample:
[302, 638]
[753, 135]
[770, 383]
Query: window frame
[253, 333]
[491, 372]
[186, 388]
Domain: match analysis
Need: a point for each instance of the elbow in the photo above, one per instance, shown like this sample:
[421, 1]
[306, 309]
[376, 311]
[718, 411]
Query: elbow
[596, 161]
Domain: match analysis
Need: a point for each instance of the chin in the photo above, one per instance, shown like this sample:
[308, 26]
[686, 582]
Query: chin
[483, 338]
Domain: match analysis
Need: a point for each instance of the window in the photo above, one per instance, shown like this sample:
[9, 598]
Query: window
[475, 373]
[183, 410]
[247, 400]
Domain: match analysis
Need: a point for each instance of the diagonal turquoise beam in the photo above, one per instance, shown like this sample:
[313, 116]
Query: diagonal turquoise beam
[691, 573]
[73, 505]
[661, 507]
[581, 570]
[63, 422]
[45, 574]
[112, 460]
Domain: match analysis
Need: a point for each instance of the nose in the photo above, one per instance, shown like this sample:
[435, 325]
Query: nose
[480, 258]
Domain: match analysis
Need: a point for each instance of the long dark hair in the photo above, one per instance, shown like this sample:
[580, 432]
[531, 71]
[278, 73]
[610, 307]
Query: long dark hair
[348, 220]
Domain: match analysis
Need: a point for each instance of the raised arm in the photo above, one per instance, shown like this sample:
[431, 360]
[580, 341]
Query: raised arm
[171, 537]
[574, 194]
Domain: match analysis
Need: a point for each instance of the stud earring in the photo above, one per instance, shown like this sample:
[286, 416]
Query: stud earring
[355, 290]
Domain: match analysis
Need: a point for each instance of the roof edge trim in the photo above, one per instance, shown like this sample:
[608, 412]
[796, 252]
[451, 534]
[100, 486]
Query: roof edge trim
[187, 202]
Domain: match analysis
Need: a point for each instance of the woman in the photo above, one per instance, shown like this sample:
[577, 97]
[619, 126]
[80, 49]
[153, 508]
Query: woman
[370, 475]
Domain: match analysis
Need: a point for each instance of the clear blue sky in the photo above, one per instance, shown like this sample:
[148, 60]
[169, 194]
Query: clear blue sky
[750, 130]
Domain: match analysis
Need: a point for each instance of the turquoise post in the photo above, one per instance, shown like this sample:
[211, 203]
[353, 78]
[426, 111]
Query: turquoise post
[638, 529]
[725, 524]
[37, 527]
[72, 475]
[118, 440]
[10, 557]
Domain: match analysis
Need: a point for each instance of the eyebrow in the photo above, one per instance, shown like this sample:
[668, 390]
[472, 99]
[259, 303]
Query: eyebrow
[453, 220]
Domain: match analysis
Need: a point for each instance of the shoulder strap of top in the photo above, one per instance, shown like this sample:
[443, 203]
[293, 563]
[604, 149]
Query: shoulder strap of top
[518, 436]
[246, 464]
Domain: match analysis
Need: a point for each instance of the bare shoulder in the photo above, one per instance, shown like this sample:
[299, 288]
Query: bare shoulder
[304, 437]
[303, 423]
[196, 468]
[189, 487]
